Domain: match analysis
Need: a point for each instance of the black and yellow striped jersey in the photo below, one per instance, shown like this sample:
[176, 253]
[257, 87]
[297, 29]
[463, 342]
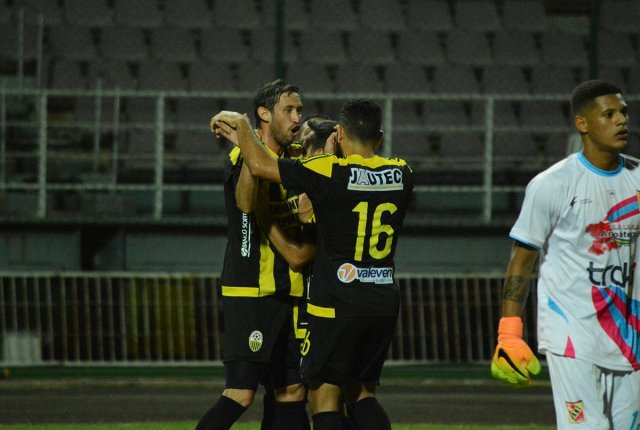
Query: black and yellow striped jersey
[252, 267]
[360, 205]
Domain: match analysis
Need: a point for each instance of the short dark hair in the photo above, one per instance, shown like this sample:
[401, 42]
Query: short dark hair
[322, 129]
[361, 119]
[587, 91]
[269, 94]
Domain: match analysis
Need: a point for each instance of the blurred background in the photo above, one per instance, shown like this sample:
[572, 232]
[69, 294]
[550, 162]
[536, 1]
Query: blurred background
[112, 225]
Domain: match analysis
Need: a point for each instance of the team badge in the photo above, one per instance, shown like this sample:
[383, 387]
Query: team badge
[255, 341]
[576, 412]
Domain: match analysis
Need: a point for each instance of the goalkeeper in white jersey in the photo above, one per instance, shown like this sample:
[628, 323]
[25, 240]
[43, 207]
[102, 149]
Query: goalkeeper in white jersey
[582, 217]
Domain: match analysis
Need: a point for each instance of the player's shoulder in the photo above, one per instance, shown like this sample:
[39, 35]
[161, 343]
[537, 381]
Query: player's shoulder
[557, 173]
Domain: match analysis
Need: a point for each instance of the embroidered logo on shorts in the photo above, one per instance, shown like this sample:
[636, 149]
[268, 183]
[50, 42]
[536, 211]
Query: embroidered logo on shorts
[576, 411]
[255, 341]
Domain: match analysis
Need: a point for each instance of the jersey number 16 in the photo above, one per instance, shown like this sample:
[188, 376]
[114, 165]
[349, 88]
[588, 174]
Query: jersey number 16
[373, 229]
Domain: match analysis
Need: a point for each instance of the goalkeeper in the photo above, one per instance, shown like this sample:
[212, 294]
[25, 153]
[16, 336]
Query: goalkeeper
[582, 216]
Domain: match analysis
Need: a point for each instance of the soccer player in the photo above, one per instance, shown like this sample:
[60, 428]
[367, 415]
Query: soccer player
[359, 202]
[582, 216]
[259, 285]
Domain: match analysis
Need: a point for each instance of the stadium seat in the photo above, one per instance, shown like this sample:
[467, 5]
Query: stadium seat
[139, 14]
[563, 49]
[429, 15]
[143, 110]
[616, 49]
[420, 47]
[295, 15]
[173, 44]
[90, 13]
[455, 79]
[123, 44]
[515, 146]
[504, 113]
[358, 78]
[477, 15]
[193, 146]
[239, 14]
[196, 111]
[620, 15]
[504, 80]
[114, 74]
[66, 74]
[84, 109]
[468, 48]
[309, 77]
[614, 75]
[515, 48]
[9, 42]
[382, 15]
[543, 113]
[332, 15]
[214, 76]
[407, 112]
[322, 47]
[263, 47]
[553, 80]
[371, 47]
[465, 148]
[156, 76]
[188, 13]
[525, 15]
[72, 43]
[250, 76]
[406, 78]
[445, 113]
[224, 45]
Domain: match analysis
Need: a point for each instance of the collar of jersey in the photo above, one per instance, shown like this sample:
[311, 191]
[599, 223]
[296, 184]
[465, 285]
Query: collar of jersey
[586, 163]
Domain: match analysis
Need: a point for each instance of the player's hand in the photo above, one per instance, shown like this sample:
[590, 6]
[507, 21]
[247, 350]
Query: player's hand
[224, 124]
[513, 361]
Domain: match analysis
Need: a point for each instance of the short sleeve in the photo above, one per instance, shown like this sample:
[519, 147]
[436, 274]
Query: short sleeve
[539, 212]
[297, 176]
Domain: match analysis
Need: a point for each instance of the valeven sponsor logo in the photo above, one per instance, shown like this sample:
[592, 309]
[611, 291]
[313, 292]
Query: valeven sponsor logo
[348, 273]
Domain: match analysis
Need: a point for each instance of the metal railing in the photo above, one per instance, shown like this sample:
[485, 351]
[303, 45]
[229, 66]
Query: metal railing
[169, 318]
[103, 160]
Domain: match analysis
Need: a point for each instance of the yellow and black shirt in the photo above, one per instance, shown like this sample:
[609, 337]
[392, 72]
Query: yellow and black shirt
[252, 267]
[360, 205]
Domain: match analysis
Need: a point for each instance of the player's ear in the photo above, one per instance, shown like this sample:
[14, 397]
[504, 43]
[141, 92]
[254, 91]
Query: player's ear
[379, 141]
[581, 124]
[264, 114]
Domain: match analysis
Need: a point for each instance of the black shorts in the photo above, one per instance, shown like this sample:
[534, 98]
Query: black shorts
[259, 342]
[338, 350]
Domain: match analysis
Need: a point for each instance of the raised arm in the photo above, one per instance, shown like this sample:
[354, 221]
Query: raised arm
[233, 125]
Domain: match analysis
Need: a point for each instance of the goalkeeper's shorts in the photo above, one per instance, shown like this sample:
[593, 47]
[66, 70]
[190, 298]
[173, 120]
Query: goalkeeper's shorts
[579, 389]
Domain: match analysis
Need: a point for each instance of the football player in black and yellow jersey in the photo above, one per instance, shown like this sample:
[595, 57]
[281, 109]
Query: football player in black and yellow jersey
[259, 284]
[359, 202]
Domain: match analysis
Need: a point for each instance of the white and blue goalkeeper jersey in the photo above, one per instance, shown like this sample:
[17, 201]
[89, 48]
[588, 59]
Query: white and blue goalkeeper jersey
[585, 221]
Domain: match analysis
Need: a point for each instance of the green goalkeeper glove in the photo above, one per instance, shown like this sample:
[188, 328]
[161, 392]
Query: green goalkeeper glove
[513, 361]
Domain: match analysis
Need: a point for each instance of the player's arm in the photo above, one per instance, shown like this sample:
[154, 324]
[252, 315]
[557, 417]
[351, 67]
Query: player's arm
[305, 208]
[296, 253]
[246, 190]
[513, 360]
[233, 125]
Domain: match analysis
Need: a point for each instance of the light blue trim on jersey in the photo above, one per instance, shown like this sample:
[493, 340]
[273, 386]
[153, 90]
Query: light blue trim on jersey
[554, 307]
[586, 163]
[525, 242]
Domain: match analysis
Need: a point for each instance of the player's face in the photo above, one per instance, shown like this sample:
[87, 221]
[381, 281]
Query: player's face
[606, 123]
[285, 119]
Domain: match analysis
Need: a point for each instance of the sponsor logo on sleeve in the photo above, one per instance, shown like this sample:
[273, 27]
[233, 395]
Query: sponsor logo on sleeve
[245, 233]
[348, 273]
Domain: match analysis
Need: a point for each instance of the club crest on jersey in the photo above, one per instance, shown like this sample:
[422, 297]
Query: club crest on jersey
[379, 180]
[255, 341]
[348, 273]
[575, 411]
